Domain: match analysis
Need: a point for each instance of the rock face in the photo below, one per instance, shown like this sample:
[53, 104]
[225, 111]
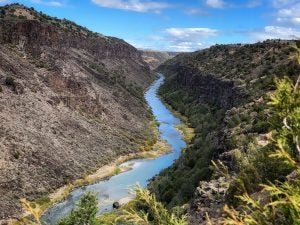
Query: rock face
[209, 198]
[155, 58]
[70, 101]
[207, 87]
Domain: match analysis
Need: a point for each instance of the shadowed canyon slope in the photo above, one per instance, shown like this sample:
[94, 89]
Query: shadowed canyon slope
[71, 101]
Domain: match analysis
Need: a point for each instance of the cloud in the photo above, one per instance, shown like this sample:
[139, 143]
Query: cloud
[49, 3]
[275, 32]
[4, 2]
[177, 39]
[282, 3]
[187, 34]
[215, 3]
[188, 39]
[289, 14]
[133, 5]
[187, 46]
[195, 12]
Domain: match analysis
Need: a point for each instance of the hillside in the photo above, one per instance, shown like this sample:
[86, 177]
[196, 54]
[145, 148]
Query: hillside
[69, 99]
[223, 92]
[155, 58]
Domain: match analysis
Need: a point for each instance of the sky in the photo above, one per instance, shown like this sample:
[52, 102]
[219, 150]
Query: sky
[179, 25]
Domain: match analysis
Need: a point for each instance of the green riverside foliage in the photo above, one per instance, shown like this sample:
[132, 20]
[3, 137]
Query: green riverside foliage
[148, 211]
[85, 212]
[143, 210]
[279, 202]
[176, 185]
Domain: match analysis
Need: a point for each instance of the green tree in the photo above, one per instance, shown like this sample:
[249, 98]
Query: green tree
[84, 213]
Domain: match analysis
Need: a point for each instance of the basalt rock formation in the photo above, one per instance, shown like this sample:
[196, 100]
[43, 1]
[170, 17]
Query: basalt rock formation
[71, 101]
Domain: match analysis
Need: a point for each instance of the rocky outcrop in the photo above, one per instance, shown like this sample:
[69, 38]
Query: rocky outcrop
[206, 87]
[155, 58]
[209, 201]
[74, 102]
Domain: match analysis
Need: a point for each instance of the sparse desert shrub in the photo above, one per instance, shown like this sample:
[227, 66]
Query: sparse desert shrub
[10, 81]
[43, 200]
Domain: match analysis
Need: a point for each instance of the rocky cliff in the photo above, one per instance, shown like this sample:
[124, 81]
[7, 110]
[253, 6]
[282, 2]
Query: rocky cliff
[71, 101]
[222, 91]
[156, 58]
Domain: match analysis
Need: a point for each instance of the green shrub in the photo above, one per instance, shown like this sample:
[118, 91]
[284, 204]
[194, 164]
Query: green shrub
[147, 210]
[43, 200]
[260, 127]
[84, 213]
[10, 81]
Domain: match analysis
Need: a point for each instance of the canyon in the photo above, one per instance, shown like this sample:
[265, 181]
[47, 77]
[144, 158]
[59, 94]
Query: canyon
[71, 101]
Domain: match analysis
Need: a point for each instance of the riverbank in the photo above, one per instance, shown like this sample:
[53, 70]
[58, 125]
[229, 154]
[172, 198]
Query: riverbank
[188, 133]
[156, 149]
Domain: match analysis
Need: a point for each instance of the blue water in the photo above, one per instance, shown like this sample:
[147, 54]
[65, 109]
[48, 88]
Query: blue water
[119, 187]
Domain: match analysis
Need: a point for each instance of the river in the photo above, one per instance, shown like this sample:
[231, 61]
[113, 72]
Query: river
[118, 187]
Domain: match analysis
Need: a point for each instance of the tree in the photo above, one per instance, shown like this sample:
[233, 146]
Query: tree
[84, 213]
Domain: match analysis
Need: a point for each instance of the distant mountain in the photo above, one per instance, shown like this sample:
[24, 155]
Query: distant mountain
[71, 101]
[155, 58]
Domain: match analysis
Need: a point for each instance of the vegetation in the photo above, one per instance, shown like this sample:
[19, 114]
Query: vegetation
[176, 185]
[148, 211]
[238, 136]
[145, 209]
[10, 81]
[281, 199]
[84, 213]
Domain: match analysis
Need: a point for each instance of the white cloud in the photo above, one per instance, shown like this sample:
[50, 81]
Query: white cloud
[188, 39]
[275, 32]
[289, 14]
[186, 47]
[133, 5]
[195, 12]
[215, 3]
[282, 3]
[4, 2]
[187, 34]
[177, 39]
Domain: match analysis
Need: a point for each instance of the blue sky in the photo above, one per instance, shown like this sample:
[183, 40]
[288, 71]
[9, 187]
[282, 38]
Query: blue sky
[180, 25]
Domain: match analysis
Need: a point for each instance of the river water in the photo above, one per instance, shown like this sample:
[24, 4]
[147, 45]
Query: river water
[118, 187]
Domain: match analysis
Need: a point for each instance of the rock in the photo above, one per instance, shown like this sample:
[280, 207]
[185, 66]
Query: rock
[116, 205]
